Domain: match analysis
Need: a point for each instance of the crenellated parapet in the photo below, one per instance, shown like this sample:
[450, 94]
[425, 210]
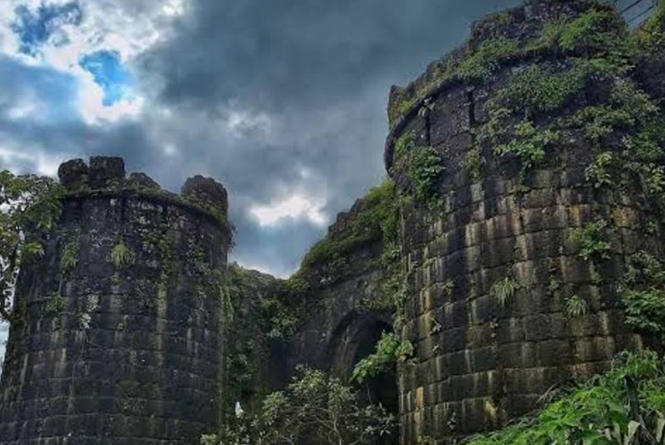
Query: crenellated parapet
[119, 339]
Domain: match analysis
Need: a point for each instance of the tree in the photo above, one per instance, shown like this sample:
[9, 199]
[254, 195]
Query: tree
[29, 207]
[314, 409]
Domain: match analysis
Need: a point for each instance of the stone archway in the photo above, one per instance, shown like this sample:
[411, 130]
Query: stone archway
[354, 339]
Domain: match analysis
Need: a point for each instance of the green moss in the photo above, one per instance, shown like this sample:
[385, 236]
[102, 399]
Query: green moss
[538, 89]
[550, 35]
[377, 219]
[121, 255]
[166, 250]
[599, 33]
[68, 258]
[473, 163]
[55, 304]
[484, 61]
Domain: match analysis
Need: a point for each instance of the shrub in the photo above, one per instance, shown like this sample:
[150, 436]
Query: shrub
[314, 408]
[390, 350]
[624, 407]
[591, 241]
[504, 290]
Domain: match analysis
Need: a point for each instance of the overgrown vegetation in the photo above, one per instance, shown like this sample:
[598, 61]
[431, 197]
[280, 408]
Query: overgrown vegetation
[599, 37]
[377, 219]
[29, 207]
[313, 408]
[390, 350]
[484, 61]
[591, 241]
[424, 167]
[643, 294]
[503, 290]
[624, 407]
[55, 304]
[575, 306]
[121, 255]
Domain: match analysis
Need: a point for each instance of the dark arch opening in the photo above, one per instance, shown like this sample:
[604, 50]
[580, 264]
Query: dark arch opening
[355, 339]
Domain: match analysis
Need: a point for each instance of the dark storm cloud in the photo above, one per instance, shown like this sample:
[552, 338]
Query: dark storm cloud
[284, 53]
[322, 71]
[306, 83]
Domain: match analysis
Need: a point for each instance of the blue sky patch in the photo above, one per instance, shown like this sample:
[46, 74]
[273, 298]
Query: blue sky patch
[36, 28]
[109, 73]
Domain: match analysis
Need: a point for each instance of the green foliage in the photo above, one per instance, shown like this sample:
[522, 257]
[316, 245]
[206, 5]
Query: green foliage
[503, 290]
[643, 294]
[166, 247]
[281, 312]
[313, 408]
[121, 255]
[645, 310]
[31, 205]
[575, 306]
[484, 61]
[538, 89]
[550, 35]
[598, 173]
[591, 242]
[390, 350]
[425, 171]
[376, 219]
[69, 258]
[651, 37]
[528, 144]
[55, 304]
[598, 33]
[473, 163]
[623, 407]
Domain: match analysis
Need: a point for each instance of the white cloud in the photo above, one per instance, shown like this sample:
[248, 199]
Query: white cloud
[38, 161]
[241, 122]
[126, 27]
[92, 109]
[297, 206]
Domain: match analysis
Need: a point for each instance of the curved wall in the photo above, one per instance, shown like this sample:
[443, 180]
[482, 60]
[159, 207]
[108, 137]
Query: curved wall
[119, 336]
[481, 361]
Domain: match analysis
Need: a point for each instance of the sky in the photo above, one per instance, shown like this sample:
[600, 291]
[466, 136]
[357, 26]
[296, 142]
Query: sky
[283, 101]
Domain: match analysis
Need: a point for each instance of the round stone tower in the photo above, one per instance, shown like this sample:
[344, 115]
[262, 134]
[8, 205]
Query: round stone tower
[531, 174]
[117, 339]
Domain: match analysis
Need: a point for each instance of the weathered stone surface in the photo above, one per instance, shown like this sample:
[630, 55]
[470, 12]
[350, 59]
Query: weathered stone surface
[141, 181]
[119, 336]
[490, 360]
[106, 171]
[73, 174]
[206, 191]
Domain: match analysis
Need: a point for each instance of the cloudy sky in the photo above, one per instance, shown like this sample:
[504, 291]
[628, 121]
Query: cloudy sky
[281, 100]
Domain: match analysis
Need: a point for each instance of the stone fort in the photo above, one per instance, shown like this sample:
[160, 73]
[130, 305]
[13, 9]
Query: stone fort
[514, 196]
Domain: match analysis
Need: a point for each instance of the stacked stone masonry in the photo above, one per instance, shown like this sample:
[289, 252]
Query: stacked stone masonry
[118, 340]
[481, 362]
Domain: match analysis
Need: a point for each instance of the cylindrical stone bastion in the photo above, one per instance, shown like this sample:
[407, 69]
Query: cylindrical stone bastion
[525, 207]
[117, 339]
